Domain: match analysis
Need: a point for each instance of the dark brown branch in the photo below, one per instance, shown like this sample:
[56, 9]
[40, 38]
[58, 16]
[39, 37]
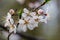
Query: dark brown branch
[40, 5]
[9, 35]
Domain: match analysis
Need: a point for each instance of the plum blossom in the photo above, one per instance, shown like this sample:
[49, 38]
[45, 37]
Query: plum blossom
[12, 28]
[32, 24]
[7, 19]
[22, 26]
[29, 20]
[43, 16]
[43, 19]
[40, 11]
[10, 22]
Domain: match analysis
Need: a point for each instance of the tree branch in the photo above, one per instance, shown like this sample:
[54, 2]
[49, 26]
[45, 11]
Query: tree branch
[42, 4]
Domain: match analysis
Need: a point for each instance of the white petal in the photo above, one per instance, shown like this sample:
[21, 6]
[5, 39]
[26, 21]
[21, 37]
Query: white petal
[33, 23]
[21, 21]
[24, 28]
[40, 17]
[43, 20]
[31, 20]
[27, 18]
[19, 29]
[11, 30]
[36, 24]
[14, 28]
[7, 23]
[35, 17]
[30, 27]
[26, 10]
[24, 15]
[11, 21]
[33, 13]
[8, 16]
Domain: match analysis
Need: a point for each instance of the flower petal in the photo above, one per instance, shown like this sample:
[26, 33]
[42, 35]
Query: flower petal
[24, 28]
[30, 27]
[26, 10]
[24, 15]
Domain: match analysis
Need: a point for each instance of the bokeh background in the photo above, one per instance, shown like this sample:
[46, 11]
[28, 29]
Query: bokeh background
[49, 31]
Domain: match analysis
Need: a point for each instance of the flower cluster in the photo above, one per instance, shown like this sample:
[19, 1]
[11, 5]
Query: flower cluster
[29, 20]
[9, 22]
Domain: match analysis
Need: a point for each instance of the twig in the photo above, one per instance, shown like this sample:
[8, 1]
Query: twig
[10, 35]
[40, 5]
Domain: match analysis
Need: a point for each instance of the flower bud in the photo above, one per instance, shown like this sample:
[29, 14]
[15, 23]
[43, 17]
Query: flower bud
[40, 11]
[11, 11]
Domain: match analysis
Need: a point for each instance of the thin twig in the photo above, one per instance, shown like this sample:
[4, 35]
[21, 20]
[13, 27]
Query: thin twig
[40, 5]
[10, 35]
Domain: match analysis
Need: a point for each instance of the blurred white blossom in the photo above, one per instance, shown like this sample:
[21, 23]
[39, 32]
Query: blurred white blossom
[20, 1]
[34, 5]
[37, 4]
[10, 23]
[12, 28]
[31, 5]
[22, 26]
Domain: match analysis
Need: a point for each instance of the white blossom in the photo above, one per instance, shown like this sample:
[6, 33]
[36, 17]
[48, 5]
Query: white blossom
[21, 21]
[7, 23]
[27, 18]
[32, 24]
[43, 19]
[8, 16]
[35, 17]
[40, 11]
[9, 20]
[25, 10]
[24, 15]
[22, 26]
[33, 13]
[12, 28]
